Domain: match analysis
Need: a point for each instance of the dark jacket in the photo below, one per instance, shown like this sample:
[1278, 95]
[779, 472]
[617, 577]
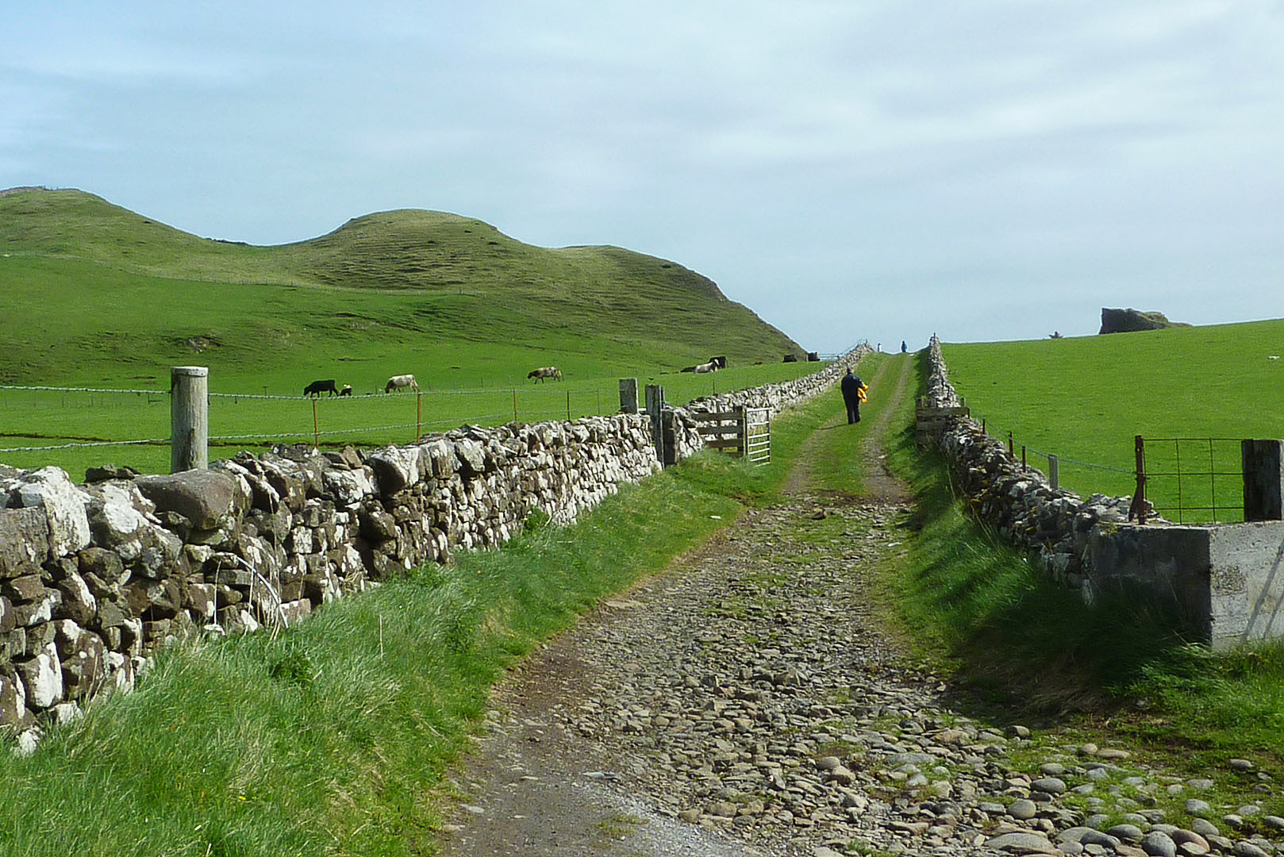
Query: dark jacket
[851, 387]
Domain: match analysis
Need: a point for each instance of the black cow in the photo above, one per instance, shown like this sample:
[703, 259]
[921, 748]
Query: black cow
[346, 390]
[813, 357]
[316, 388]
[791, 358]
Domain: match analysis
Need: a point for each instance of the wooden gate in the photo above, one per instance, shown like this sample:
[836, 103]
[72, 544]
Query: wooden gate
[742, 432]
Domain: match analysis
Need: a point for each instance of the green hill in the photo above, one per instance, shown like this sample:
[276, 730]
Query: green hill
[94, 293]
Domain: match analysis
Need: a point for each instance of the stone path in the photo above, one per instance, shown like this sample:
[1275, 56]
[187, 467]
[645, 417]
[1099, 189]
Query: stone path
[747, 703]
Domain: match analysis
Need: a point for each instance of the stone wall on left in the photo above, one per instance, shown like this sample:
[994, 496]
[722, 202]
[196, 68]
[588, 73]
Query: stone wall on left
[93, 577]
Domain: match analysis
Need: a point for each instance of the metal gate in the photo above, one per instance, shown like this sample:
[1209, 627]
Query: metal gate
[742, 432]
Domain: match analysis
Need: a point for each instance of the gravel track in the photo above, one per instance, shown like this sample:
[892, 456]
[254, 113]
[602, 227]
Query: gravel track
[748, 702]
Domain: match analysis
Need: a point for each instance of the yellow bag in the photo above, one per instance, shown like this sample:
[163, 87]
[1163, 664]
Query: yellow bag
[862, 392]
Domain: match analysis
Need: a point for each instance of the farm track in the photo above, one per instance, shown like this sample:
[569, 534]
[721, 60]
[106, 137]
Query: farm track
[606, 742]
[748, 701]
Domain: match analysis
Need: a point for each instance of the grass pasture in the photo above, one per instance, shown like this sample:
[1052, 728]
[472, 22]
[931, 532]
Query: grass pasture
[1085, 398]
[250, 419]
[98, 297]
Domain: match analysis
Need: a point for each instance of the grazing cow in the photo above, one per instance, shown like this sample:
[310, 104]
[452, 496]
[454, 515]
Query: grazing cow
[396, 382]
[316, 388]
[545, 372]
[346, 391]
[703, 368]
[791, 358]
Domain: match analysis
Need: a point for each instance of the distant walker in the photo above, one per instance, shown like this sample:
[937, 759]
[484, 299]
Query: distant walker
[854, 392]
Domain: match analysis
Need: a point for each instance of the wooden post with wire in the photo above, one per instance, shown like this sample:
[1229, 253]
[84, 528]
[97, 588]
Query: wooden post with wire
[316, 427]
[419, 415]
[189, 410]
[568, 406]
[628, 395]
[654, 408]
[1138, 507]
[514, 404]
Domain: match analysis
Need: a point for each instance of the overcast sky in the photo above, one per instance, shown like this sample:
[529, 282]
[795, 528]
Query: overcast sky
[857, 169]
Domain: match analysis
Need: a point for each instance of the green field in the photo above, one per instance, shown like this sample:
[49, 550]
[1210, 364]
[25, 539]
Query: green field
[98, 297]
[252, 420]
[1084, 399]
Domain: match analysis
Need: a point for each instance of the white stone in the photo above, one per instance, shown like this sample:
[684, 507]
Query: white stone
[64, 505]
[42, 677]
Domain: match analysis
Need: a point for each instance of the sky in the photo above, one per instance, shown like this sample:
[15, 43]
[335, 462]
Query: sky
[856, 170]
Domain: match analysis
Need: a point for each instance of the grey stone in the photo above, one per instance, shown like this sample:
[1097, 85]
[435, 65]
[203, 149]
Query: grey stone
[24, 541]
[1198, 808]
[63, 504]
[1126, 832]
[206, 498]
[1021, 843]
[1023, 809]
[1159, 844]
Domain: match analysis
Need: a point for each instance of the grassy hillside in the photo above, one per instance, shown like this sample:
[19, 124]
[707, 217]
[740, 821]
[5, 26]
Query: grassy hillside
[97, 296]
[1085, 399]
[88, 287]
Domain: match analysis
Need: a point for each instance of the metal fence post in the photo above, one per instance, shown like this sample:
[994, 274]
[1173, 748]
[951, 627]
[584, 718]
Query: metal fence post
[189, 409]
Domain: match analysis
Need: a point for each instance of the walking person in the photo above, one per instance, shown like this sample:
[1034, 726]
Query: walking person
[854, 392]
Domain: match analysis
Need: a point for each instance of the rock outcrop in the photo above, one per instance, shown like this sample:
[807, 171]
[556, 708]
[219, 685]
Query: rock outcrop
[1132, 320]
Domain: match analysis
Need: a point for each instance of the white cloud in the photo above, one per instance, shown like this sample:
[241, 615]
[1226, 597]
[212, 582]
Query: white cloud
[931, 163]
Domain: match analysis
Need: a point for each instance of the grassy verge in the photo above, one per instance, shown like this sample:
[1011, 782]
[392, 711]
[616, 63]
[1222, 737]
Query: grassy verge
[332, 737]
[1024, 647]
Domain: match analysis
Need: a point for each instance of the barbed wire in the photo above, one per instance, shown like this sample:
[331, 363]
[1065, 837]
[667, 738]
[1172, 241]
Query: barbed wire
[45, 389]
[86, 444]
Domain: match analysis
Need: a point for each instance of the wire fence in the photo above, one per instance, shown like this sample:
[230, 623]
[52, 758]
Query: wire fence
[1193, 479]
[1064, 471]
[1186, 479]
[81, 426]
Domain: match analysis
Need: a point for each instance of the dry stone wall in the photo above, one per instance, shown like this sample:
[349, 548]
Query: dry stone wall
[1018, 501]
[95, 576]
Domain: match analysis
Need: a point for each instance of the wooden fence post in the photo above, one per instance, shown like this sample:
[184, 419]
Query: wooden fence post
[1054, 471]
[189, 409]
[742, 429]
[628, 395]
[1138, 507]
[654, 406]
